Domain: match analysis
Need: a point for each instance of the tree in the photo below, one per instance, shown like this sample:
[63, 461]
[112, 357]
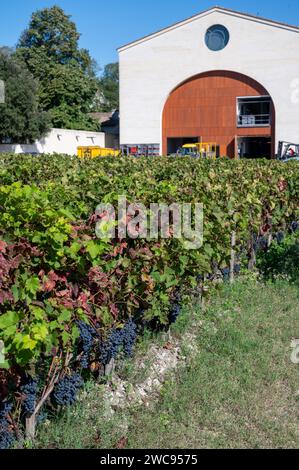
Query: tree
[66, 74]
[21, 120]
[109, 88]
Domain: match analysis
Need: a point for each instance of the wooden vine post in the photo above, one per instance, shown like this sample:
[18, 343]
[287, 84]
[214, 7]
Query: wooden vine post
[251, 249]
[110, 368]
[203, 292]
[252, 255]
[233, 256]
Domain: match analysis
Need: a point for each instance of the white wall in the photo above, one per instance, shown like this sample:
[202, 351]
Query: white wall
[59, 141]
[153, 67]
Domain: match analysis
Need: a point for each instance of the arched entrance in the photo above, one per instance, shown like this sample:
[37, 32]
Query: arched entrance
[228, 108]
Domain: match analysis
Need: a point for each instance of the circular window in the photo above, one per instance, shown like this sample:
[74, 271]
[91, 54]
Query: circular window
[217, 37]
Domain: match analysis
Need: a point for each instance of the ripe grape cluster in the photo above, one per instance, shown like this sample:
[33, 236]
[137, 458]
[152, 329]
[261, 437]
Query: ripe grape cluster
[175, 308]
[238, 268]
[29, 390]
[120, 338]
[66, 391]
[87, 336]
[260, 243]
[111, 347]
[174, 313]
[280, 236]
[7, 437]
[225, 273]
[129, 337]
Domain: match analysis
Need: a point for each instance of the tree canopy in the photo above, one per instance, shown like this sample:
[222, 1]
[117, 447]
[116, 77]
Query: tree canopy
[21, 121]
[67, 74]
[109, 87]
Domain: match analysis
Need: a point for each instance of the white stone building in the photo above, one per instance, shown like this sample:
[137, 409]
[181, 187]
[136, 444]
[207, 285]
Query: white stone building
[59, 141]
[220, 76]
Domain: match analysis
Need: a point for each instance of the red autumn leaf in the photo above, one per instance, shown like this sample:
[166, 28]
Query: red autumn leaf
[64, 293]
[3, 246]
[49, 286]
[68, 304]
[282, 185]
[265, 229]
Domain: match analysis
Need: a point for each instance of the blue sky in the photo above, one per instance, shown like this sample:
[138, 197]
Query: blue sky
[107, 25]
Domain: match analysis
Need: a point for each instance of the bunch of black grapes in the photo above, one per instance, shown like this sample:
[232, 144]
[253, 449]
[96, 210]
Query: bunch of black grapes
[260, 243]
[87, 336]
[129, 337]
[66, 391]
[7, 437]
[175, 307]
[280, 236]
[226, 272]
[29, 390]
[120, 338]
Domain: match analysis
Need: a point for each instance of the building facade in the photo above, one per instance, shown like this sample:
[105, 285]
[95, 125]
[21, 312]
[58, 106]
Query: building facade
[59, 141]
[220, 76]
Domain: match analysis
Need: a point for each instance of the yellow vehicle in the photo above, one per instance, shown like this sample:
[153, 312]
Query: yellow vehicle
[96, 152]
[199, 150]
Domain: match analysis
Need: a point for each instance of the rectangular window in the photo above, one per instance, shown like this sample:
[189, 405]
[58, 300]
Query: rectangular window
[254, 112]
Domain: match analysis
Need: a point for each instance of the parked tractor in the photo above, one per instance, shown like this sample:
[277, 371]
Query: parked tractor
[199, 150]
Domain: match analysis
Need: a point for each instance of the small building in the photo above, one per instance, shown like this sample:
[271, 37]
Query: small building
[221, 76]
[58, 141]
[110, 126]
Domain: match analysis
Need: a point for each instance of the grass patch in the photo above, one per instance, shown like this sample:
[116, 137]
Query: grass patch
[240, 391]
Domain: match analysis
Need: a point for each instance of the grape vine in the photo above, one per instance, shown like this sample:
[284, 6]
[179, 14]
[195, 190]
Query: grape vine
[58, 279]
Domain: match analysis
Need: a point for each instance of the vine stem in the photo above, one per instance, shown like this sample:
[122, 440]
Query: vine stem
[15, 426]
[56, 375]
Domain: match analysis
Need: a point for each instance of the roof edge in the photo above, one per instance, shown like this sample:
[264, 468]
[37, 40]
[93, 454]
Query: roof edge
[205, 13]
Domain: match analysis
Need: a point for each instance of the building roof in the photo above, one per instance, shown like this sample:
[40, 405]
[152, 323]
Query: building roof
[109, 121]
[102, 117]
[217, 9]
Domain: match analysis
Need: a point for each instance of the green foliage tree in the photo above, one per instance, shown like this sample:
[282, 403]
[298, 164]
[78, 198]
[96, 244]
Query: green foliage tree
[21, 121]
[66, 73]
[109, 88]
